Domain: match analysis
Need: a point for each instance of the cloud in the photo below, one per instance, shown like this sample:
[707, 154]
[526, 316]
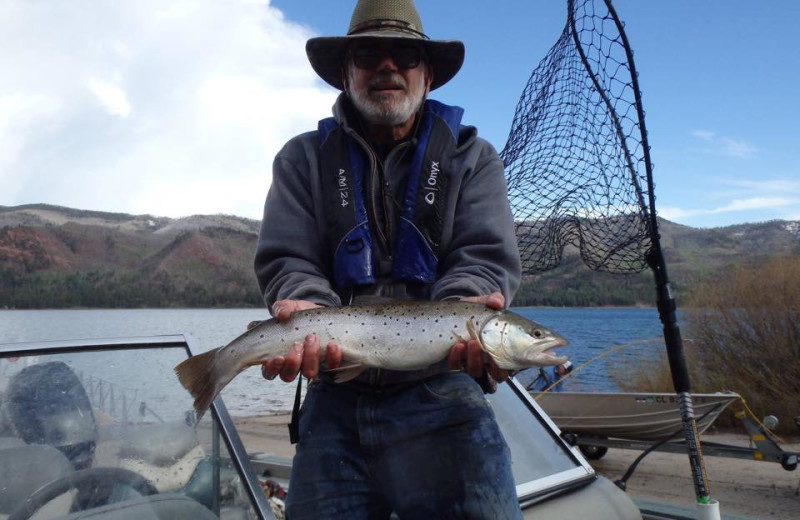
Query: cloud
[726, 146]
[111, 97]
[755, 203]
[766, 185]
[150, 107]
[789, 205]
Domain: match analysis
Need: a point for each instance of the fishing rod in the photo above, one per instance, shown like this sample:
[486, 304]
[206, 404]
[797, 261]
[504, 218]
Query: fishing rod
[665, 302]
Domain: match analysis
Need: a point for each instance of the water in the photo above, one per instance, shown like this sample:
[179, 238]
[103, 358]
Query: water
[591, 332]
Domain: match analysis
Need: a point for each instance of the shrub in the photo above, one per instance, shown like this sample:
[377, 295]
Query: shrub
[741, 332]
[745, 330]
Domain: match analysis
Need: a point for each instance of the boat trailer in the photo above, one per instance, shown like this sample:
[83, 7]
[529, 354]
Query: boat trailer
[764, 447]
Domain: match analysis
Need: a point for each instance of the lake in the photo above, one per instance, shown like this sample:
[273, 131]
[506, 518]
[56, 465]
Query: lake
[603, 338]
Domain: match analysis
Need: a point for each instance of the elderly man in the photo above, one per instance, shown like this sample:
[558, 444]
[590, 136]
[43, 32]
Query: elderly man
[391, 197]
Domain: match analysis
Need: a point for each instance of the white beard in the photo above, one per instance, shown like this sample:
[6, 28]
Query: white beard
[385, 110]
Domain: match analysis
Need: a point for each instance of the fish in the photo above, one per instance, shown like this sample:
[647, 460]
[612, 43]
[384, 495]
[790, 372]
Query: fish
[408, 335]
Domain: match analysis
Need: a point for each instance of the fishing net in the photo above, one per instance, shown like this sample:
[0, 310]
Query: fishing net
[579, 174]
[575, 158]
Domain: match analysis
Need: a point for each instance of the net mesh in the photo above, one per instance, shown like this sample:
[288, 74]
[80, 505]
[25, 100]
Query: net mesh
[574, 158]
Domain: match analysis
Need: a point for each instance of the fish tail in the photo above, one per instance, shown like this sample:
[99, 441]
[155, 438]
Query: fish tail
[202, 377]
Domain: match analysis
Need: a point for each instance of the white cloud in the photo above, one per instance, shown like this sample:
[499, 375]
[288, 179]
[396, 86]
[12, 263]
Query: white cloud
[202, 94]
[788, 207]
[111, 97]
[674, 214]
[766, 185]
[755, 203]
[726, 146]
[705, 135]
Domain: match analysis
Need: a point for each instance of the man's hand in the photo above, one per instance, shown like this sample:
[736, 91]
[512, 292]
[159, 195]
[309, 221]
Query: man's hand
[303, 356]
[470, 356]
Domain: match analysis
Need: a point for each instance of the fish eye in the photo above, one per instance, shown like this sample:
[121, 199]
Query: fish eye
[537, 333]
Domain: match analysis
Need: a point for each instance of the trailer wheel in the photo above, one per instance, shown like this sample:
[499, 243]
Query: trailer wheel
[592, 452]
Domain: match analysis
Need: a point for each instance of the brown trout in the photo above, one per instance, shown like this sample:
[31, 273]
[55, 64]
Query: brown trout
[396, 336]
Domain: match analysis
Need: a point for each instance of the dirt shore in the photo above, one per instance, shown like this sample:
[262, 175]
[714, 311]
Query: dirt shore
[746, 488]
[743, 487]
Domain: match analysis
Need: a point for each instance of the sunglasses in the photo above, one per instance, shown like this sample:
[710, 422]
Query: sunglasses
[404, 56]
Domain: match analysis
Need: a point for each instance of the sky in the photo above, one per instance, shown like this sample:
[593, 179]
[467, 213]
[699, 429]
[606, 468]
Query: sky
[178, 108]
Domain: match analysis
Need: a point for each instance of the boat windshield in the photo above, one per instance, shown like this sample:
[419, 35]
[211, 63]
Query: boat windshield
[108, 428]
[100, 426]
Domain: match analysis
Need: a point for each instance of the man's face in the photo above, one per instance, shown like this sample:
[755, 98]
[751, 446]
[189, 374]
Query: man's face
[387, 80]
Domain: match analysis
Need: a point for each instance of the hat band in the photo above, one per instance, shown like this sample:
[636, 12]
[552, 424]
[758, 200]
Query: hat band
[393, 25]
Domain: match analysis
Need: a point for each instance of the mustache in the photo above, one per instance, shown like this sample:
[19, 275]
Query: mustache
[388, 79]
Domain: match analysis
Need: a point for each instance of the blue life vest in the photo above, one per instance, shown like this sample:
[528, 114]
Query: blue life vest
[417, 239]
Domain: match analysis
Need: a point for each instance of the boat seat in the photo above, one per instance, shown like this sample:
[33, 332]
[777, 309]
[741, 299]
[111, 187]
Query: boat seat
[25, 468]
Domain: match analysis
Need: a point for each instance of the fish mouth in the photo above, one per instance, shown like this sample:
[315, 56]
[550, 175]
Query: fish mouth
[555, 341]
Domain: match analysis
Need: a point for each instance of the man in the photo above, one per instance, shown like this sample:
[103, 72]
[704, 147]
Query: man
[394, 198]
[538, 380]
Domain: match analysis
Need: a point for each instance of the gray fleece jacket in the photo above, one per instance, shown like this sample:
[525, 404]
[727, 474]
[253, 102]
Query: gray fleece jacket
[478, 252]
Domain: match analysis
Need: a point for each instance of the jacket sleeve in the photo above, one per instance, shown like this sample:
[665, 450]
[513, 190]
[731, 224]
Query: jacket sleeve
[482, 256]
[291, 253]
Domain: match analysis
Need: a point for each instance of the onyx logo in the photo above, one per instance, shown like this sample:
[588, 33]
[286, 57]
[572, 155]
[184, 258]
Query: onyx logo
[344, 193]
[431, 183]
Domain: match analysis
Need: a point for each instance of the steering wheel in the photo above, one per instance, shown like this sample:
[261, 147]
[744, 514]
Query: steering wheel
[99, 482]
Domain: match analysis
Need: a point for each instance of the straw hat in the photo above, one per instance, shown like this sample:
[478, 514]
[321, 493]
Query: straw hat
[384, 19]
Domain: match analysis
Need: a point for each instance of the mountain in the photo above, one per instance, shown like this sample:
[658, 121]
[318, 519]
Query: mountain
[54, 257]
[691, 255]
[61, 257]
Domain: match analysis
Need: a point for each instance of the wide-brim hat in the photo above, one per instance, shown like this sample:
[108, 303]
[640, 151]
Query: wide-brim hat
[396, 19]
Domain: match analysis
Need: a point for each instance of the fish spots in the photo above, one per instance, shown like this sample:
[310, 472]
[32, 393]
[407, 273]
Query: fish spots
[261, 336]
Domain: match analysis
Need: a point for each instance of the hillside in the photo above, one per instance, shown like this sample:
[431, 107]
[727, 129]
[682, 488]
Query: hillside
[54, 257]
[691, 255]
[60, 257]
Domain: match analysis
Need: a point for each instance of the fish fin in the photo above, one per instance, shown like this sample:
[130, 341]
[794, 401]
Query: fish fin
[347, 372]
[473, 333]
[196, 374]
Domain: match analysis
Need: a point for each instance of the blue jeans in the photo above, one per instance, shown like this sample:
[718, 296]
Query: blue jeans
[430, 449]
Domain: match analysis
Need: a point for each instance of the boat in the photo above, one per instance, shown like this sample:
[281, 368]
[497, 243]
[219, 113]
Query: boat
[634, 416]
[595, 422]
[101, 428]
